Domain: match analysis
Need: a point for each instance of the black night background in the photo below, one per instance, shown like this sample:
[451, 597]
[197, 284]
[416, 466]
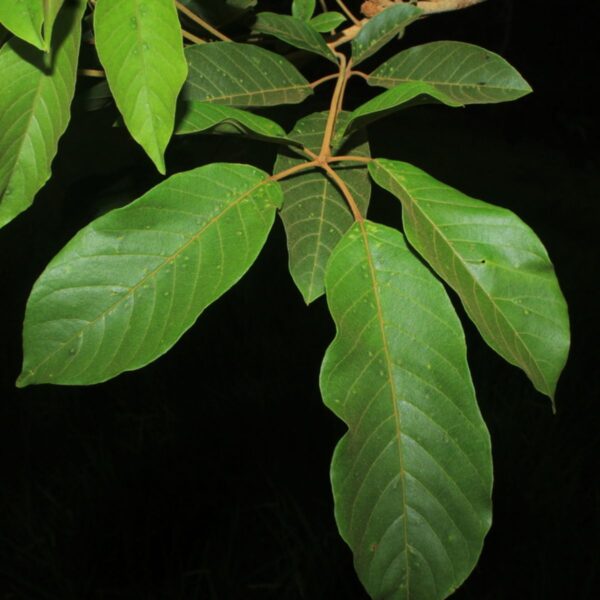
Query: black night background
[205, 475]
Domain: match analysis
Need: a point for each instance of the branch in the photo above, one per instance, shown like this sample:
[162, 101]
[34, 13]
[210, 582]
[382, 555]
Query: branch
[198, 20]
[370, 8]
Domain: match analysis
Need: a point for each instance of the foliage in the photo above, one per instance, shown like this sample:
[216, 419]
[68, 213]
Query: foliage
[412, 476]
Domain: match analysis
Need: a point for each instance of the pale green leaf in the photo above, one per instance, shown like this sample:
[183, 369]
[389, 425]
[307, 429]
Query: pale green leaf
[128, 285]
[197, 117]
[466, 73]
[24, 18]
[315, 214]
[412, 476]
[35, 103]
[402, 96]
[293, 31]
[496, 264]
[51, 9]
[382, 28]
[303, 9]
[327, 21]
[242, 75]
[140, 47]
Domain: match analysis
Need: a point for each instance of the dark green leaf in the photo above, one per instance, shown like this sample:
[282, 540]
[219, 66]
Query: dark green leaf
[140, 47]
[315, 214]
[412, 477]
[402, 96]
[242, 75]
[303, 9]
[326, 22]
[468, 74]
[293, 31]
[35, 105]
[197, 117]
[24, 18]
[220, 12]
[382, 28]
[128, 285]
[496, 264]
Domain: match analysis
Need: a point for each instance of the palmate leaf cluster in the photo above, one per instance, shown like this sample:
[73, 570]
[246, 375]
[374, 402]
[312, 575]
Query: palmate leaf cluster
[412, 476]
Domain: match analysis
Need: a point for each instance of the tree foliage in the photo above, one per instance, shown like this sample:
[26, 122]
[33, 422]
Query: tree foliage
[412, 476]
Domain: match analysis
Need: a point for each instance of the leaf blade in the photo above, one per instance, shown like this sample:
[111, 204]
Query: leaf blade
[327, 21]
[128, 285]
[315, 215]
[197, 117]
[402, 96]
[24, 19]
[412, 476]
[303, 9]
[236, 75]
[495, 263]
[35, 111]
[381, 29]
[464, 72]
[293, 31]
[140, 47]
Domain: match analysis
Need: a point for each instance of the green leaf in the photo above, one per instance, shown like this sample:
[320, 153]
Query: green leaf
[327, 21]
[140, 47]
[201, 116]
[412, 477]
[128, 285]
[303, 9]
[51, 9]
[242, 75]
[35, 105]
[315, 214]
[382, 28]
[496, 264]
[24, 18]
[220, 12]
[402, 96]
[293, 31]
[466, 73]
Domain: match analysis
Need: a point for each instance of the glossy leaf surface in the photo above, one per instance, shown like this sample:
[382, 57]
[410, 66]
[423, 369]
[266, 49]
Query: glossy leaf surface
[35, 104]
[293, 31]
[327, 21]
[315, 214]
[381, 29]
[242, 75]
[140, 47]
[401, 96]
[412, 476]
[128, 285]
[303, 9]
[197, 117]
[495, 263]
[24, 18]
[463, 72]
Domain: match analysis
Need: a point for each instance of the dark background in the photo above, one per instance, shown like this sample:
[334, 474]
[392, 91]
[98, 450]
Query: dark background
[205, 475]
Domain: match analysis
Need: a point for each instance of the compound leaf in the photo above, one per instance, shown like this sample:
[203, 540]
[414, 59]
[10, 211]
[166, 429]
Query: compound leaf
[401, 96]
[197, 117]
[140, 47]
[315, 215]
[293, 31]
[382, 28]
[242, 75]
[463, 72]
[412, 476]
[495, 263]
[24, 18]
[128, 285]
[35, 100]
